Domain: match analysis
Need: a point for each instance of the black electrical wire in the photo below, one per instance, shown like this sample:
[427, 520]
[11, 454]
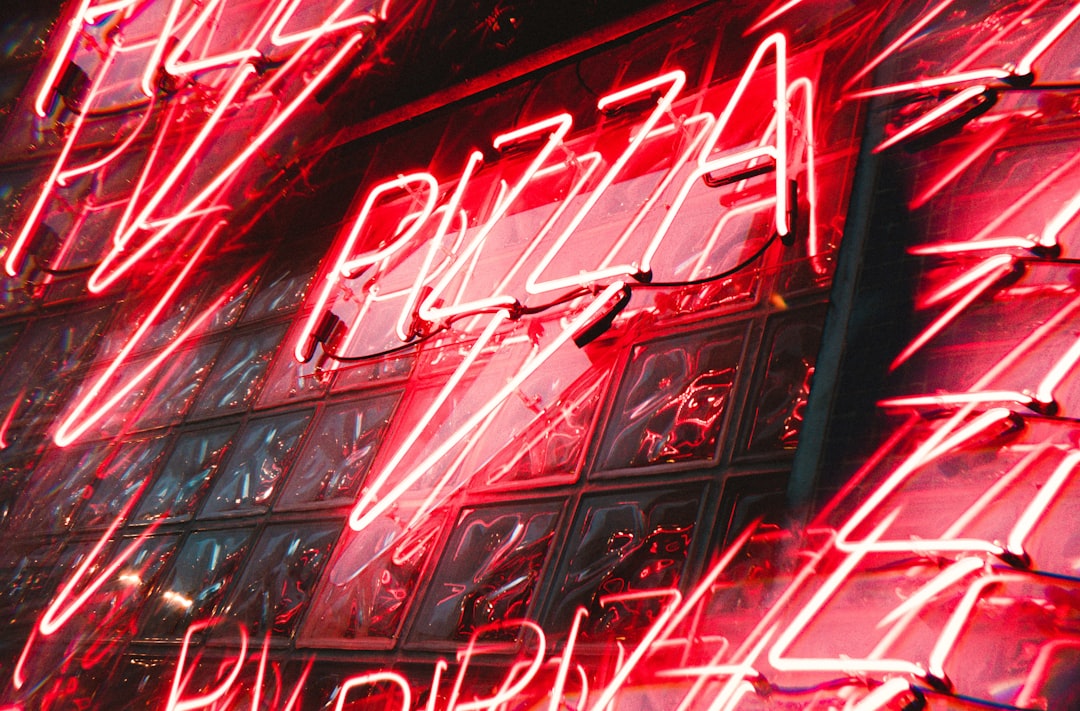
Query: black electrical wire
[520, 311]
[757, 254]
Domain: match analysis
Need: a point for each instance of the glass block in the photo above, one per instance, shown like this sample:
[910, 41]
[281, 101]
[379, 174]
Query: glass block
[134, 311]
[339, 451]
[239, 372]
[1014, 642]
[777, 407]
[275, 588]
[185, 479]
[624, 544]
[25, 571]
[122, 479]
[551, 448]
[112, 611]
[350, 376]
[488, 572]
[37, 374]
[672, 401]
[14, 479]
[96, 387]
[289, 380]
[451, 425]
[372, 583]
[263, 450]
[203, 574]
[57, 487]
[176, 386]
[279, 292]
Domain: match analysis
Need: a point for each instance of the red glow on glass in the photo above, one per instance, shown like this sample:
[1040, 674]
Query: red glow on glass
[373, 679]
[181, 677]
[982, 278]
[78, 421]
[475, 648]
[375, 501]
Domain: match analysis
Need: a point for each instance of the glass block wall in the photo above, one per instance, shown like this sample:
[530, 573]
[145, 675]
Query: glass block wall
[708, 355]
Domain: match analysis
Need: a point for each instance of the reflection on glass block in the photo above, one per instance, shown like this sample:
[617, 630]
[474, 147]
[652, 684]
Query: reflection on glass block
[262, 452]
[781, 397]
[278, 293]
[274, 590]
[186, 476]
[176, 386]
[112, 611]
[239, 372]
[116, 484]
[672, 401]
[202, 575]
[14, 478]
[58, 485]
[37, 375]
[24, 575]
[488, 571]
[357, 375]
[289, 380]
[625, 544]
[339, 451]
[552, 446]
[371, 583]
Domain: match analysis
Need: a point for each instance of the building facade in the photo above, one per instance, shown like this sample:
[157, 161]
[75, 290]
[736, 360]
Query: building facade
[465, 355]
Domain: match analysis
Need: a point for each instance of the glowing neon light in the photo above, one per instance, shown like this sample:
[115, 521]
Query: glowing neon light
[383, 677]
[349, 269]
[951, 632]
[64, 177]
[966, 160]
[932, 83]
[1044, 393]
[1039, 504]
[48, 85]
[777, 153]
[5, 426]
[900, 41]
[1019, 20]
[175, 703]
[643, 647]
[1024, 66]
[766, 19]
[346, 267]
[57, 614]
[507, 693]
[1045, 239]
[674, 83]
[451, 210]
[557, 127]
[890, 690]
[14, 256]
[279, 38]
[989, 273]
[174, 64]
[77, 421]
[1040, 671]
[946, 438]
[564, 662]
[807, 613]
[939, 400]
[102, 277]
[60, 610]
[95, 283]
[938, 112]
[370, 506]
[946, 248]
[937, 585]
